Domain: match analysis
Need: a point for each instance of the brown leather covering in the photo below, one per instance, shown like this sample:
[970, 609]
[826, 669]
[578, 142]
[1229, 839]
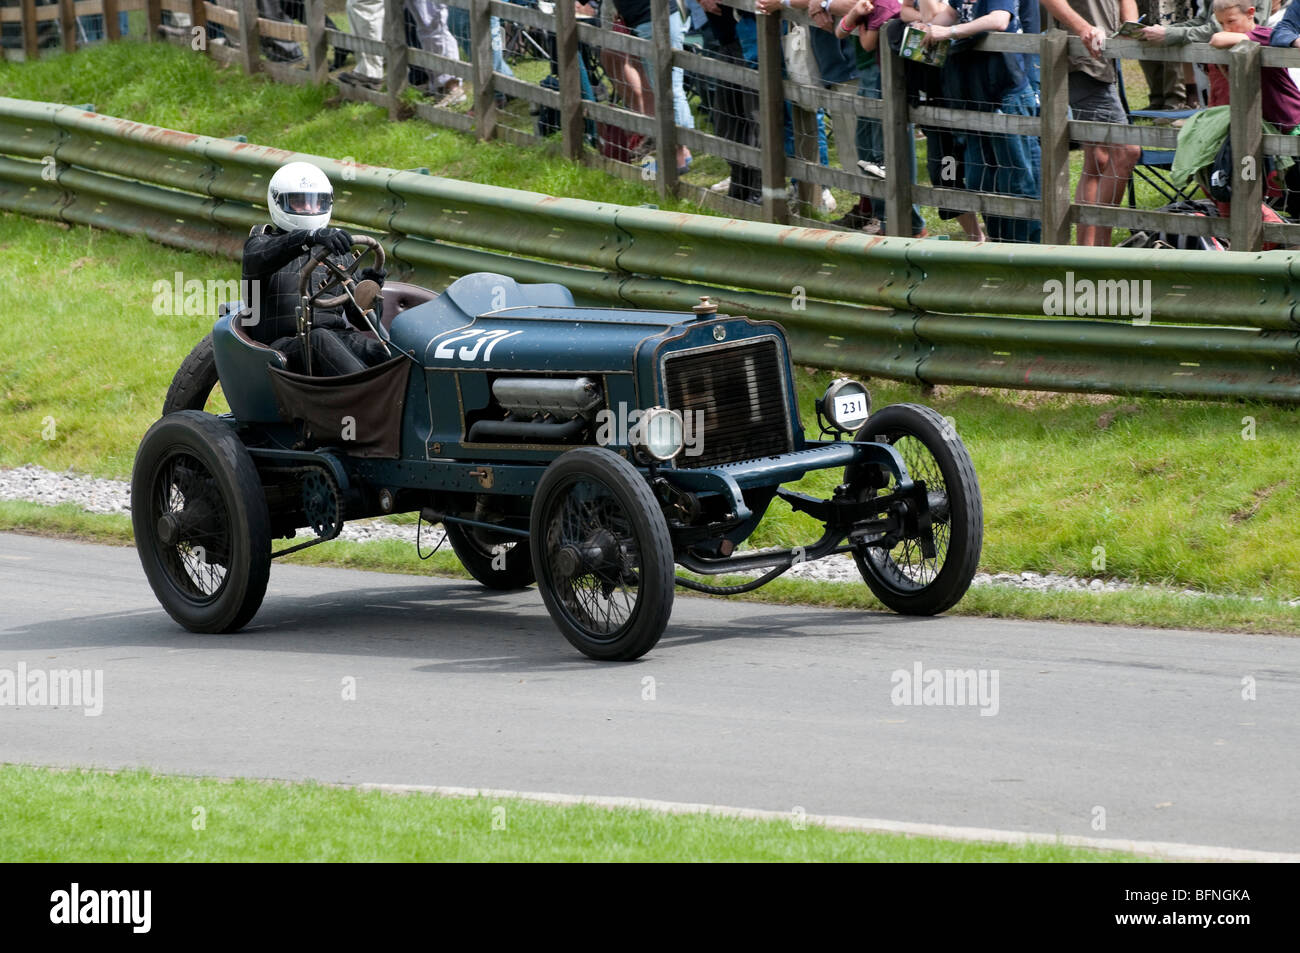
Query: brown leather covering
[360, 413]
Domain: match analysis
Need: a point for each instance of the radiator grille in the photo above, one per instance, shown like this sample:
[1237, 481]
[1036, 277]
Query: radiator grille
[740, 391]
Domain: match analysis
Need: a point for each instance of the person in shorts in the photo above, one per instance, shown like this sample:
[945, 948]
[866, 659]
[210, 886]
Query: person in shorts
[1094, 97]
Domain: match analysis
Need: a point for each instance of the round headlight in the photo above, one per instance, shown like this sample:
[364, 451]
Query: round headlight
[846, 404]
[661, 433]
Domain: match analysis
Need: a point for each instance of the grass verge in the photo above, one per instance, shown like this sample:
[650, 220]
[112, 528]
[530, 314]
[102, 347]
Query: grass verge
[93, 816]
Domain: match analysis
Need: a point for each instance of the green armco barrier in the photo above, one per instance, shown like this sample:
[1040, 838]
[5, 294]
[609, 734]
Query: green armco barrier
[1204, 324]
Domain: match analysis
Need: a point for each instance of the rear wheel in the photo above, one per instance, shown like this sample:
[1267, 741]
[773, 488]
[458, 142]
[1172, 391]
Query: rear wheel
[602, 554]
[902, 576]
[195, 380]
[497, 565]
[201, 524]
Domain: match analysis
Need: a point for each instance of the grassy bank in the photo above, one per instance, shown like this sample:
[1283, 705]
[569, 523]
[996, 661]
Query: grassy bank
[136, 816]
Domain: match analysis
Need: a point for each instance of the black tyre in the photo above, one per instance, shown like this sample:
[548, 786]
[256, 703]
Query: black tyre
[508, 567]
[602, 554]
[902, 577]
[201, 523]
[194, 381]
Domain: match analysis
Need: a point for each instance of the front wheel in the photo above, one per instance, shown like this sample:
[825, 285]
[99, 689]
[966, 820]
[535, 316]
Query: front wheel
[201, 524]
[602, 554]
[902, 576]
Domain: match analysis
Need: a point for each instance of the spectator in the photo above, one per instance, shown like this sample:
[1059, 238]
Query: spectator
[92, 26]
[1000, 163]
[366, 18]
[1287, 31]
[1279, 97]
[1164, 80]
[734, 108]
[434, 35]
[1094, 98]
[636, 15]
[862, 20]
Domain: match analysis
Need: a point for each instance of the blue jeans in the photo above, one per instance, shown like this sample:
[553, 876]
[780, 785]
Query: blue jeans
[499, 64]
[93, 24]
[681, 110]
[747, 34]
[870, 141]
[1008, 165]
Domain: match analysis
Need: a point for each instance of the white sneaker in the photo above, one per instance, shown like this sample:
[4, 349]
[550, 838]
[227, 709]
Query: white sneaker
[723, 186]
[872, 168]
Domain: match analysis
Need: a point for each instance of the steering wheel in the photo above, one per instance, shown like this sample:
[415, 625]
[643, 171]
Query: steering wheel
[342, 277]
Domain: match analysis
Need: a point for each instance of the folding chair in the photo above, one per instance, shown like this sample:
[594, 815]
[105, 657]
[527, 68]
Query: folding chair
[1154, 165]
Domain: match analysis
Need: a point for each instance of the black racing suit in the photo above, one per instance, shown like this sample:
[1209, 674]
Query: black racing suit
[273, 261]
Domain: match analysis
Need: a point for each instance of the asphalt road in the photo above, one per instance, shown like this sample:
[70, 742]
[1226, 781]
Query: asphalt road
[752, 705]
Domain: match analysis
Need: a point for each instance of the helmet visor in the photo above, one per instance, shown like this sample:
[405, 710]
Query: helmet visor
[306, 203]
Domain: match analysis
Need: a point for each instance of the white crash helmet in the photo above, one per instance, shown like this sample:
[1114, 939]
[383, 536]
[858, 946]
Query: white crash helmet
[300, 196]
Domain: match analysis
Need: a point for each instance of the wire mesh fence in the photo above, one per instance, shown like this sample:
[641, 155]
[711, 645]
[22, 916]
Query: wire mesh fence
[890, 117]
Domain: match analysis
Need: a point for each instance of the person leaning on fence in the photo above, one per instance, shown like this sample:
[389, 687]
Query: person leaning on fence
[864, 19]
[990, 81]
[1094, 97]
[1279, 95]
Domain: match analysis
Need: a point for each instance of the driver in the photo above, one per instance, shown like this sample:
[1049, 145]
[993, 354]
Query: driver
[300, 199]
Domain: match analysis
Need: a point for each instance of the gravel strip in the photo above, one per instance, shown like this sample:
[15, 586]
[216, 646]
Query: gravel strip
[39, 485]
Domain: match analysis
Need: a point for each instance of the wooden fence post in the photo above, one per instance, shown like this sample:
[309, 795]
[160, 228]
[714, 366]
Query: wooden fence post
[485, 105]
[771, 119]
[250, 40]
[395, 59]
[31, 48]
[661, 66]
[566, 56]
[112, 29]
[1054, 100]
[199, 22]
[317, 49]
[1246, 223]
[897, 142]
[68, 25]
[153, 19]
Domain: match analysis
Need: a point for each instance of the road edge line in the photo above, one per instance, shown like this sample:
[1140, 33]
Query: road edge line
[1160, 849]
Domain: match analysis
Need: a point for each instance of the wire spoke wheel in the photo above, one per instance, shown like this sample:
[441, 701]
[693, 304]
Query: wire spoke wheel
[901, 575]
[601, 554]
[593, 557]
[194, 543]
[904, 564]
[200, 519]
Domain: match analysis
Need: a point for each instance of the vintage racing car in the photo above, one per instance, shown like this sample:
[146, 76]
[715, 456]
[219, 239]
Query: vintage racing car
[590, 450]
